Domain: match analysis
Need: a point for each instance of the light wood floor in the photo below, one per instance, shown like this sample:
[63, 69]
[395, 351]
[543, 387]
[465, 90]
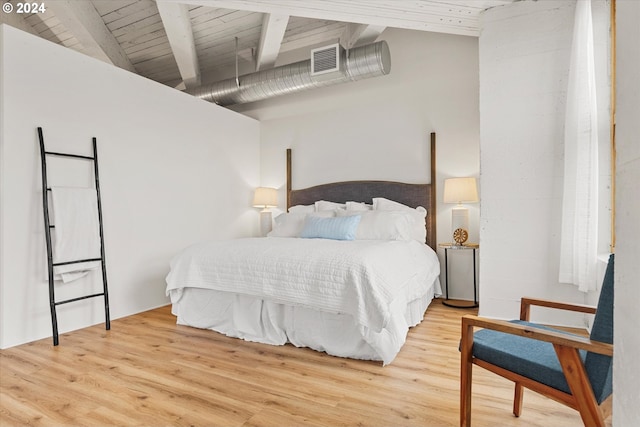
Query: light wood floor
[147, 371]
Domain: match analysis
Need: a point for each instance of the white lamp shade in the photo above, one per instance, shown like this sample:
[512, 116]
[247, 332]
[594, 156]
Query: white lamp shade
[460, 190]
[265, 197]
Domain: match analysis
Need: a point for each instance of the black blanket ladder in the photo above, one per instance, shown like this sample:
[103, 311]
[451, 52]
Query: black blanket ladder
[47, 231]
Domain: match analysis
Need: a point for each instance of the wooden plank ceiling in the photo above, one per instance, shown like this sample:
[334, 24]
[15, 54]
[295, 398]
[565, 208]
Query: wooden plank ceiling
[184, 43]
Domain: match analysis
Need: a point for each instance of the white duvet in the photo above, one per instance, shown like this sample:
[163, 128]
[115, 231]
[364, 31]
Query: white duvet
[371, 280]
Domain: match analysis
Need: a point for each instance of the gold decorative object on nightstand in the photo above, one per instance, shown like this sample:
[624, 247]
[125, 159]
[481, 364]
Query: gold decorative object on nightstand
[460, 235]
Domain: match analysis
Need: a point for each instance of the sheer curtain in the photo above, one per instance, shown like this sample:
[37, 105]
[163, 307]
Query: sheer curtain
[578, 250]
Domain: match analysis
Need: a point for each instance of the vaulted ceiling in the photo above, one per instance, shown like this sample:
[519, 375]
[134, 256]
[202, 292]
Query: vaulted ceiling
[185, 43]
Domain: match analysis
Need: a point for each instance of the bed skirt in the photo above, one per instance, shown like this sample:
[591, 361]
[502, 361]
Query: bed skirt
[258, 320]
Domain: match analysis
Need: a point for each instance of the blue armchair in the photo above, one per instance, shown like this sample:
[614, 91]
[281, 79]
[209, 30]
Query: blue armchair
[568, 368]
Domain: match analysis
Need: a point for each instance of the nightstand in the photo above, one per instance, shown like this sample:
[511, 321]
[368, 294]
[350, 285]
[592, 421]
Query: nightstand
[465, 247]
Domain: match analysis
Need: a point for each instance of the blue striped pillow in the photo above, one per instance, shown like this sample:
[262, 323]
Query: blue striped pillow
[335, 228]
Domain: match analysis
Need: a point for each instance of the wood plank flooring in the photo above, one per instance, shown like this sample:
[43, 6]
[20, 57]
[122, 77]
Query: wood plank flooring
[148, 371]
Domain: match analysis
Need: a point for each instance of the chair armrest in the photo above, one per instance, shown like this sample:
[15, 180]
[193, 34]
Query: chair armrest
[526, 303]
[559, 338]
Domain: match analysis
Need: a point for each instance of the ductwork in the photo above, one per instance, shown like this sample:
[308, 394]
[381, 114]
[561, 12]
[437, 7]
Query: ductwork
[359, 63]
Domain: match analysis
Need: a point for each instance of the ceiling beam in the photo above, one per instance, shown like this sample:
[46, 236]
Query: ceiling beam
[446, 16]
[177, 25]
[273, 28]
[360, 34]
[83, 21]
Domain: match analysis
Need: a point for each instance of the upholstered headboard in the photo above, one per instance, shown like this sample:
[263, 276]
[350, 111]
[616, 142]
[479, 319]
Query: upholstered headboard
[413, 195]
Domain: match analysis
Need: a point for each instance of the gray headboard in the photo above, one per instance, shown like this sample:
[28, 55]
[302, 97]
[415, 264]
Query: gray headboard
[413, 195]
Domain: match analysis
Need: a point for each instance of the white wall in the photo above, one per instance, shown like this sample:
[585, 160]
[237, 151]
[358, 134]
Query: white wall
[379, 128]
[173, 170]
[626, 375]
[524, 63]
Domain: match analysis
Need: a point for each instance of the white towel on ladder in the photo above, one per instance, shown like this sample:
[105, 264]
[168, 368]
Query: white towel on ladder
[76, 231]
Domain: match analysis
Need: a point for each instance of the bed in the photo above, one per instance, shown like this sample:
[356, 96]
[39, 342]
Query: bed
[345, 271]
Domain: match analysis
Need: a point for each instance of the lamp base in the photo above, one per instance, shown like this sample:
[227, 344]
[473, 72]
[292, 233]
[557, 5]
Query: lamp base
[459, 225]
[265, 222]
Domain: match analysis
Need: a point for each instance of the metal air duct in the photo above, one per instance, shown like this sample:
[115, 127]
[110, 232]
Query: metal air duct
[371, 60]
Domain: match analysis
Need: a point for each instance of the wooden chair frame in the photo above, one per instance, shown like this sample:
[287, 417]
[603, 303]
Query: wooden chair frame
[566, 346]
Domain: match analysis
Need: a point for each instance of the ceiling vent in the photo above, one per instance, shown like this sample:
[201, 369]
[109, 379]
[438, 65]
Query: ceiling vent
[362, 62]
[325, 59]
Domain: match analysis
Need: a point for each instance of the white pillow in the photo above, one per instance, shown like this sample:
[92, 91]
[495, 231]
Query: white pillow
[419, 232]
[382, 204]
[291, 224]
[383, 225]
[358, 206]
[302, 209]
[323, 205]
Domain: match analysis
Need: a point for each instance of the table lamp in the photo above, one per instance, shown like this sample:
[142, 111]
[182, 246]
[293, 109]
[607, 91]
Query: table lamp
[265, 198]
[460, 190]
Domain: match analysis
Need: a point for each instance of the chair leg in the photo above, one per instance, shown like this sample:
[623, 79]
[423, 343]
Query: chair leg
[525, 313]
[466, 366]
[580, 386]
[517, 399]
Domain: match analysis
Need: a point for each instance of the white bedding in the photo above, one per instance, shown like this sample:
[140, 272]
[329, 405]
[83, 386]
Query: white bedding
[261, 281]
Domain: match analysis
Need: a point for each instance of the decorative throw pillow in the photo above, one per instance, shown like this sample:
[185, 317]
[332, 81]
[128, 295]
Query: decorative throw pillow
[291, 224]
[338, 228]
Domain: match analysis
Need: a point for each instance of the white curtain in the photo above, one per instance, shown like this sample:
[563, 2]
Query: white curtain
[578, 251]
